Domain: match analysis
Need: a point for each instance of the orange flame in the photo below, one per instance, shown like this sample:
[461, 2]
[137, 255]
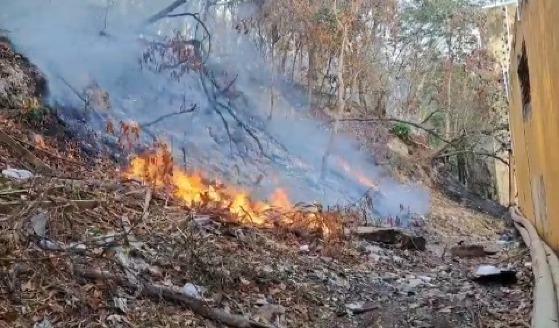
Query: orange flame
[39, 141]
[157, 169]
[357, 175]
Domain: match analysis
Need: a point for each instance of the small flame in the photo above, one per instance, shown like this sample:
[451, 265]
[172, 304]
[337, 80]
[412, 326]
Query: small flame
[357, 175]
[157, 169]
[39, 141]
[280, 199]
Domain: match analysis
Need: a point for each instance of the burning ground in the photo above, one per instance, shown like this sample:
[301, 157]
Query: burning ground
[86, 242]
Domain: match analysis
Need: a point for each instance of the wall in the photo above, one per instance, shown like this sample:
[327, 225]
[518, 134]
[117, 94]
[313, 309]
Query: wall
[534, 114]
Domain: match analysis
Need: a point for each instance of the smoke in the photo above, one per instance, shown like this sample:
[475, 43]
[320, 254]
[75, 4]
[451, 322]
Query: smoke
[106, 43]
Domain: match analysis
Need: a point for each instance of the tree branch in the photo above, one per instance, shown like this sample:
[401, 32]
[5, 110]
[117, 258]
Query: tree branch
[197, 19]
[504, 161]
[166, 11]
[183, 111]
[415, 125]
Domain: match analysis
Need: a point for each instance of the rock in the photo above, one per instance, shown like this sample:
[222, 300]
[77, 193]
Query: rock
[16, 174]
[392, 236]
[470, 251]
[354, 306]
[489, 274]
[193, 290]
[39, 224]
[43, 324]
[358, 308]
[270, 312]
[121, 304]
[202, 220]
[304, 249]
[397, 146]
[487, 270]
[414, 283]
[425, 279]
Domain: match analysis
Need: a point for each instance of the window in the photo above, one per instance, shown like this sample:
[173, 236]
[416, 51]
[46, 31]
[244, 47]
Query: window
[524, 78]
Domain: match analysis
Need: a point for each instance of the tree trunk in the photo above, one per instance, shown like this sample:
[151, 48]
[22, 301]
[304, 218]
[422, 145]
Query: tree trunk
[311, 73]
[340, 103]
[272, 95]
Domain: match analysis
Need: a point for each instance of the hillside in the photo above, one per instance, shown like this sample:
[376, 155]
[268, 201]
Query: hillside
[87, 243]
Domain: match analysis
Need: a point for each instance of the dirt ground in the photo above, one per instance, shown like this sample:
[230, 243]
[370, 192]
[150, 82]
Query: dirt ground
[82, 215]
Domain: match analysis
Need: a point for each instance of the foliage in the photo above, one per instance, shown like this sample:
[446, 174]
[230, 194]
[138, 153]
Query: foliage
[402, 131]
[424, 61]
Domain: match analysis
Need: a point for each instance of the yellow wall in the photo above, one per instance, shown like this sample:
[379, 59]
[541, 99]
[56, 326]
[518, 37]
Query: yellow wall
[536, 136]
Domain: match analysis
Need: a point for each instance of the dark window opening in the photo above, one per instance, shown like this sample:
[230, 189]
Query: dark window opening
[524, 78]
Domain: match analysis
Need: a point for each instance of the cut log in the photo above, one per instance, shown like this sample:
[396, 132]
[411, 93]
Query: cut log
[392, 236]
[470, 251]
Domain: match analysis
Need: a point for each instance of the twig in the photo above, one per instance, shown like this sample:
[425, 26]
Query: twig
[169, 294]
[197, 19]
[224, 90]
[147, 201]
[184, 111]
[166, 11]
[74, 90]
[80, 203]
[219, 113]
[12, 192]
[244, 127]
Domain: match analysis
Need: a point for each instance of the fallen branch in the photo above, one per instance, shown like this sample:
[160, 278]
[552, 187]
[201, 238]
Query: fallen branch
[12, 192]
[81, 203]
[21, 151]
[169, 294]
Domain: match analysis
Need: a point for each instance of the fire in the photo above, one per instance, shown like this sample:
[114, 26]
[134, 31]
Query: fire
[280, 199]
[39, 141]
[357, 175]
[157, 168]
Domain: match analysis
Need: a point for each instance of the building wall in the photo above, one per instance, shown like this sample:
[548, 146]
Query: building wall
[534, 114]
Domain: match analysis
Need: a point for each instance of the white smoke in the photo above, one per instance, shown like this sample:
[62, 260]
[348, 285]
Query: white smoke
[77, 42]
